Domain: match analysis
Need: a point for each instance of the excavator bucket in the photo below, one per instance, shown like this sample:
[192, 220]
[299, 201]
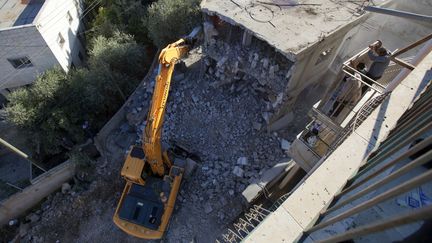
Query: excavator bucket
[184, 157]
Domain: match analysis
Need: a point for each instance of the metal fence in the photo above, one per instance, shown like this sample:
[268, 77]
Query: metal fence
[414, 129]
[244, 224]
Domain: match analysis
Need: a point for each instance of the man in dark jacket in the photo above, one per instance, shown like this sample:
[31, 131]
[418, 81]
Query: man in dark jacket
[380, 60]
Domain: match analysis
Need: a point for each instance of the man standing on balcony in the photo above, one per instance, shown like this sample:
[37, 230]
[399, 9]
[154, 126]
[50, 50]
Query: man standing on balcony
[380, 58]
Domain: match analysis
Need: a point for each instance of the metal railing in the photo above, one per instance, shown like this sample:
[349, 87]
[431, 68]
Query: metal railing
[348, 70]
[245, 224]
[358, 119]
[413, 129]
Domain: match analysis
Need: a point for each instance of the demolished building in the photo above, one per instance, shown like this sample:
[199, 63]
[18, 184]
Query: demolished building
[279, 52]
[285, 48]
[367, 163]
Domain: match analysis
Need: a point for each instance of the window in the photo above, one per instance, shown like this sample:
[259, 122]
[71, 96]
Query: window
[60, 40]
[21, 62]
[69, 17]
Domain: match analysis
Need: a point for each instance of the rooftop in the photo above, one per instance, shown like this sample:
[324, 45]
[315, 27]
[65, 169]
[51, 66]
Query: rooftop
[18, 12]
[287, 25]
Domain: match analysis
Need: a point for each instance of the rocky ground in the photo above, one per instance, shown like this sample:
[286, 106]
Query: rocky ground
[222, 124]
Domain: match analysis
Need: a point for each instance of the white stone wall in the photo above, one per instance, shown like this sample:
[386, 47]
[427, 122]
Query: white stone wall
[39, 42]
[23, 41]
[53, 20]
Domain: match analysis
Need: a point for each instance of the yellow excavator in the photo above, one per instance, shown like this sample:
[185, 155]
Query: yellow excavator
[153, 175]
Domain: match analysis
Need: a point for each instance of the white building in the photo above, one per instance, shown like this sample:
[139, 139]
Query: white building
[36, 35]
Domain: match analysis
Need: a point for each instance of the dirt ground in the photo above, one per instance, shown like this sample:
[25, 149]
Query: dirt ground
[219, 124]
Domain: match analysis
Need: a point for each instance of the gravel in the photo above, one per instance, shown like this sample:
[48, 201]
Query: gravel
[221, 124]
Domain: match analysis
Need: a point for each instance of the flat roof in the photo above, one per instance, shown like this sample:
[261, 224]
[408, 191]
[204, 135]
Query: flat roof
[289, 29]
[15, 13]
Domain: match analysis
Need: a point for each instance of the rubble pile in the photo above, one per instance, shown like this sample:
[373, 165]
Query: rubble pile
[62, 214]
[269, 71]
[138, 105]
[223, 125]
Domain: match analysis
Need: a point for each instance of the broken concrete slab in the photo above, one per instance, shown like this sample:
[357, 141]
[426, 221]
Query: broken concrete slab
[306, 23]
[267, 179]
[242, 161]
[257, 126]
[239, 172]
[285, 145]
[135, 117]
[208, 208]
[190, 168]
[282, 122]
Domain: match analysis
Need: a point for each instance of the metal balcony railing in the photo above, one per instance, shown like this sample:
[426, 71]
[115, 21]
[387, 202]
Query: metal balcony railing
[414, 129]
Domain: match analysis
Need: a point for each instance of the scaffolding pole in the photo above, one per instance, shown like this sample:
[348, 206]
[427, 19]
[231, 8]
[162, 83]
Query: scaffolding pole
[18, 152]
[399, 13]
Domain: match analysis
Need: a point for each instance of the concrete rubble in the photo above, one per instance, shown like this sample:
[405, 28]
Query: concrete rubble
[285, 145]
[238, 67]
[219, 123]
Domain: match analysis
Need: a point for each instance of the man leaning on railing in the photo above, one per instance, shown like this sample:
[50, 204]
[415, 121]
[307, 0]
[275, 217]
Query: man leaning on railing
[380, 58]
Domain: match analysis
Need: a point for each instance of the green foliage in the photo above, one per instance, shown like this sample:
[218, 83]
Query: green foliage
[22, 102]
[85, 168]
[81, 160]
[150, 22]
[123, 15]
[57, 104]
[167, 20]
[120, 53]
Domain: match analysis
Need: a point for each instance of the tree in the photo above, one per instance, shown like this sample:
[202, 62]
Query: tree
[123, 15]
[121, 53]
[57, 104]
[167, 20]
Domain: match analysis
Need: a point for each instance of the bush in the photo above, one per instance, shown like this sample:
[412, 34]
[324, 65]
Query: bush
[123, 15]
[53, 109]
[119, 53]
[167, 20]
[82, 162]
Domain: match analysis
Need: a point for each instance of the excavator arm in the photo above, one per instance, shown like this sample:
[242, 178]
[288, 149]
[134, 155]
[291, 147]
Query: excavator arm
[153, 131]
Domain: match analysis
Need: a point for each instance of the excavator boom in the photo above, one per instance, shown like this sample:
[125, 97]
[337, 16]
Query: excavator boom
[153, 131]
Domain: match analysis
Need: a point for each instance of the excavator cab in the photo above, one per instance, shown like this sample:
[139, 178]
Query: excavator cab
[148, 200]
